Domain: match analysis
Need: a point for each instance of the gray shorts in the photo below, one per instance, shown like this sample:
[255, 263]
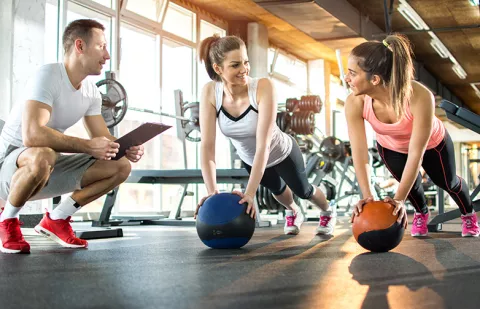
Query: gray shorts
[65, 178]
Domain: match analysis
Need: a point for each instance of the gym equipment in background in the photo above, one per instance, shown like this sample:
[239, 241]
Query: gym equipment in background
[376, 229]
[469, 120]
[222, 223]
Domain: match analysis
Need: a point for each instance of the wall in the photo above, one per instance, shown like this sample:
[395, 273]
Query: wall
[6, 28]
[22, 31]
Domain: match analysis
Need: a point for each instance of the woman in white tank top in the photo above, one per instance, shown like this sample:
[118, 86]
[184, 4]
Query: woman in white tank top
[246, 109]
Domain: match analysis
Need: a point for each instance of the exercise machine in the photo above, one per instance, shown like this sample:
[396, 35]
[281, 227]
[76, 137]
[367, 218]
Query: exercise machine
[470, 121]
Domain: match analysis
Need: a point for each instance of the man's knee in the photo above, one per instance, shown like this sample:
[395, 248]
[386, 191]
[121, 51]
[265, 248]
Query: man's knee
[123, 167]
[38, 170]
[39, 155]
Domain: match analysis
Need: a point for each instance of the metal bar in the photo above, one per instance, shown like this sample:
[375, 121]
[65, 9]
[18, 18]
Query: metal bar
[104, 218]
[118, 42]
[388, 25]
[339, 38]
[444, 29]
[96, 7]
[158, 113]
[283, 2]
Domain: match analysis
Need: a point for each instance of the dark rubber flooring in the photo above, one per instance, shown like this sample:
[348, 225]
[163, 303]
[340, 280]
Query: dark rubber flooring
[168, 267]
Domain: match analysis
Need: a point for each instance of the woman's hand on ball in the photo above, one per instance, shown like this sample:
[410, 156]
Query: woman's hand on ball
[399, 210]
[249, 200]
[201, 203]
[359, 207]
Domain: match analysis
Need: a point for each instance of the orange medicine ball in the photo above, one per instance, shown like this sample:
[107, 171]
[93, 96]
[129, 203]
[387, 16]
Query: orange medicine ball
[376, 228]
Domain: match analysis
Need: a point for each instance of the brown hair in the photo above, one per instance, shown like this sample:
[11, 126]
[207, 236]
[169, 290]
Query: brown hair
[79, 29]
[392, 61]
[213, 49]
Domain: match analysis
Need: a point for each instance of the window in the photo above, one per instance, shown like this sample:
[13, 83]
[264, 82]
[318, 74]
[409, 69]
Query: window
[298, 75]
[285, 91]
[177, 70]
[138, 75]
[271, 55]
[107, 3]
[180, 21]
[284, 65]
[151, 9]
[207, 29]
[177, 73]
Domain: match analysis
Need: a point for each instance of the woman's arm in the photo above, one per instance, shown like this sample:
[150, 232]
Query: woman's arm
[422, 108]
[358, 143]
[267, 113]
[208, 115]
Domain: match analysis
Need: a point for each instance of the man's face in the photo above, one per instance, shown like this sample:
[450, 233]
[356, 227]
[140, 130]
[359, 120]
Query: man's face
[96, 53]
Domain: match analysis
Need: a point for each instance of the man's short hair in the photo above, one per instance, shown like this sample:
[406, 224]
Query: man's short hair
[79, 29]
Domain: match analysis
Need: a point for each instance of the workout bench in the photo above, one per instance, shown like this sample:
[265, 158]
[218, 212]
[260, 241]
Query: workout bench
[183, 177]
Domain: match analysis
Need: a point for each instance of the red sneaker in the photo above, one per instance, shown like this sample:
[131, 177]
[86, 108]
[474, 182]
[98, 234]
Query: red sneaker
[12, 238]
[60, 231]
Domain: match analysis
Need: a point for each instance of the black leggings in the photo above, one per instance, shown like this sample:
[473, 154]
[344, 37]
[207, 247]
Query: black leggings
[439, 164]
[291, 172]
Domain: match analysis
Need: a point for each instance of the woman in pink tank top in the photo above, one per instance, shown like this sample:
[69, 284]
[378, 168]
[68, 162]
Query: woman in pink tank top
[402, 113]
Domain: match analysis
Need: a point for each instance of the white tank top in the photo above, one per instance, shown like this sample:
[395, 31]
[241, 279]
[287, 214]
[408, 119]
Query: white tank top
[242, 130]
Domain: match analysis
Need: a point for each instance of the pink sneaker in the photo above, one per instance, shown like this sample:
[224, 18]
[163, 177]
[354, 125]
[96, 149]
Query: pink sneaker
[419, 225]
[326, 225]
[293, 222]
[470, 225]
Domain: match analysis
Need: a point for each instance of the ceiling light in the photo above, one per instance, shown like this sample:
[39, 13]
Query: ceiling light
[411, 16]
[460, 71]
[440, 48]
[475, 87]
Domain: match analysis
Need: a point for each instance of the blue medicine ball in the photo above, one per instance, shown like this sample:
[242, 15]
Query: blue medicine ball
[222, 223]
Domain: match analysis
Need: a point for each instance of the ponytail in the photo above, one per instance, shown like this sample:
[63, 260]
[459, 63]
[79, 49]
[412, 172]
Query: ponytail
[392, 61]
[400, 85]
[205, 47]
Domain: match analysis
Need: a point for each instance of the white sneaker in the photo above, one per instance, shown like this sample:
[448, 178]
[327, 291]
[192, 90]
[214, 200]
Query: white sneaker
[326, 225]
[293, 222]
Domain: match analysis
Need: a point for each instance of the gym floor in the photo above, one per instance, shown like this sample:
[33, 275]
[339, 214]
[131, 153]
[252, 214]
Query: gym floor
[169, 267]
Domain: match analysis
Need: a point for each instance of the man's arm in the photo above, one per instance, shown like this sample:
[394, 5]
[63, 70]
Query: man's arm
[96, 127]
[35, 133]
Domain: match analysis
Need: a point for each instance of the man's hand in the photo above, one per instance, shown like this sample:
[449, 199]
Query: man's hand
[101, 148]
[134, 153]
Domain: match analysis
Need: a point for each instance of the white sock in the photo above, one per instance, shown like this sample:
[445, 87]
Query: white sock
[64, 210]
[10, 212]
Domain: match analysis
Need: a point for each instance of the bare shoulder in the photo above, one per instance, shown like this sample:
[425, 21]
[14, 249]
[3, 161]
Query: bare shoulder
[420, 93]
[265, 83]
[354, 104]
[209, 88]
[265, 90]
[208, 93]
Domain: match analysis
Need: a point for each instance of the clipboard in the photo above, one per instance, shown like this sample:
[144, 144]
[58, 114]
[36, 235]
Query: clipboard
[139, 136]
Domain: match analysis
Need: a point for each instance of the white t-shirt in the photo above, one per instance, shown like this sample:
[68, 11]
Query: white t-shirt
[51, 85]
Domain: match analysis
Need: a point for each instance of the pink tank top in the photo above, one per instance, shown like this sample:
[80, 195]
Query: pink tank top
[396, 136]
